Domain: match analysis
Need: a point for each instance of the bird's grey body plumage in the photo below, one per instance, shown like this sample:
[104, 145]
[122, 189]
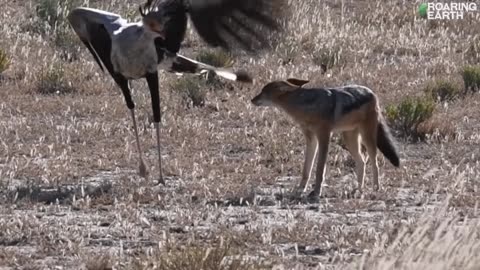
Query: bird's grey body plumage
[133, 51]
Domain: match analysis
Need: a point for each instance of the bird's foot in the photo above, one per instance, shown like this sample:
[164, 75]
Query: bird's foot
[142, 170]
[313, 197]
[161, 181]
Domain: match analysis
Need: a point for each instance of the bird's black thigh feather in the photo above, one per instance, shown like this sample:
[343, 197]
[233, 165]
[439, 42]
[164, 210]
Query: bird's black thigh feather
[152, 81]
[123, 83]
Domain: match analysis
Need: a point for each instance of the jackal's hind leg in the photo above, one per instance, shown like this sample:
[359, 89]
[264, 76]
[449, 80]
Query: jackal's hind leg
[352, 141]
[372, 152]
[310, 154]
[323, 141]
[370, 142]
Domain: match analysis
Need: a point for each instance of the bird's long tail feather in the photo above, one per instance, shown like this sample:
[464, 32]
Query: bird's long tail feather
[185, 64]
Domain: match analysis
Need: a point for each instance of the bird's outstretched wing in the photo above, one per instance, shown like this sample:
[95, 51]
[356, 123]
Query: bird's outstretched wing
[95, 29]
[224, 23]
[227, 22]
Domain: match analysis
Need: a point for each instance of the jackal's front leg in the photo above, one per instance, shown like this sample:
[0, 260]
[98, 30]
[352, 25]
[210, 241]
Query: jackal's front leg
[323, 141]
[310, 154]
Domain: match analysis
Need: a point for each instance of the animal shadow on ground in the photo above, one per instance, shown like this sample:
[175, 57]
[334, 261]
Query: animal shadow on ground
[60, 194]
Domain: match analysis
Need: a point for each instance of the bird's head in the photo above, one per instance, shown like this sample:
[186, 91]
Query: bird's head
[151, 20]
[166, 19]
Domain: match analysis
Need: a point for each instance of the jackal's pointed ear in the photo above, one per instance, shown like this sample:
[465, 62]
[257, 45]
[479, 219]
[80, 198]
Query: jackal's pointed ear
[297, 82]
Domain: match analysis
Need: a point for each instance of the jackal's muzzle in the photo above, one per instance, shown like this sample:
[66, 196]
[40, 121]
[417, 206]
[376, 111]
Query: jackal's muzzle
[257, 100]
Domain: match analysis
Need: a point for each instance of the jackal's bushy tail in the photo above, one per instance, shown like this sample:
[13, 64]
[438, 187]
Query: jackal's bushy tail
[386, 144]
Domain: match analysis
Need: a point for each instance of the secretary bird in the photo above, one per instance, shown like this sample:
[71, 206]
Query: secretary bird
[134, 50]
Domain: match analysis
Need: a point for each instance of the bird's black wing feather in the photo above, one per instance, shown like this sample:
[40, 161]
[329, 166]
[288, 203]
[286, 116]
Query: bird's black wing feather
[94, 28]
[102, 44]
[95, 56]
[226, 23]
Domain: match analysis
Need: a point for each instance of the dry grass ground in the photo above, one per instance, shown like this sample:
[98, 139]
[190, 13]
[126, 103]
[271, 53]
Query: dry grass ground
[71, 199]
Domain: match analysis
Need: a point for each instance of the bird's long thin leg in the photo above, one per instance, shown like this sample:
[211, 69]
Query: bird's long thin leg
[157, 129]
[152, 80]
[123, 83]
[142, 169]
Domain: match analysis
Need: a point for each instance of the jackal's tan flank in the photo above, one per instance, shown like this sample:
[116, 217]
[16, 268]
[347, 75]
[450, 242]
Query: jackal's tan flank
[352, 110]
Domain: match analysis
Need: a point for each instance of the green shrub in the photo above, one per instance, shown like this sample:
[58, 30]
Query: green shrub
[47, 11]
[4, 61]
[438, 129]
[219, 59]
[53, 81]
[51, 22]
[443, 90]
[54, 12]
[471, 78]
[192, 90]
[67, 43]
[407, 115]
[472, 54]
[215, 58]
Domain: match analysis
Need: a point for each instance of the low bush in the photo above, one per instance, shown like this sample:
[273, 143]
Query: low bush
[217, 257]
[407, 115]
[4, 61]
[192, 90]
[443, 90]
[54, 81]
[471, 78]
[215, 58]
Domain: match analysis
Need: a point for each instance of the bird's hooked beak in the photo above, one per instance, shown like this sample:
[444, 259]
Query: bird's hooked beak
[150, 20]
[159, 33]
[155, 27]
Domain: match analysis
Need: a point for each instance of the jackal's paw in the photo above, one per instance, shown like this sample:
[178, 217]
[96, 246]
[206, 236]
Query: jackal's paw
[355, 193]
[142, 170]
[313, 196]
[297, 192]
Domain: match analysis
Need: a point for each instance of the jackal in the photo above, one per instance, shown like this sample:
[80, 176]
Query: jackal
[352, 110]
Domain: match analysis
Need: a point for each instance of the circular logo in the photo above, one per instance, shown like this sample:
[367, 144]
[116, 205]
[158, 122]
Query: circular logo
[422, 10]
